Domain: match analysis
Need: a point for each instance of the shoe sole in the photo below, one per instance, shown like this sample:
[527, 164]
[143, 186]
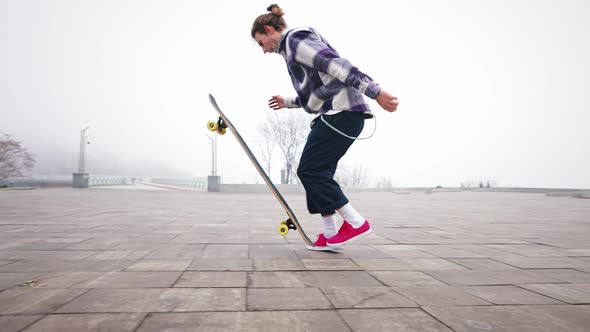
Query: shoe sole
[315, 248]
[352, 239]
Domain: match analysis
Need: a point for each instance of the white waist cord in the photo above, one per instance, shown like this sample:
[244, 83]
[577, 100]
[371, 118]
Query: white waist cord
[343, 134]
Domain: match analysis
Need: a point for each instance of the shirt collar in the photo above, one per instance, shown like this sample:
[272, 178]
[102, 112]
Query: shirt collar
[282, 42]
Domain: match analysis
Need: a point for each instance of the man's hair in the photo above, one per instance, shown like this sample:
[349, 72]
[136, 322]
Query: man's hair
[273, 18]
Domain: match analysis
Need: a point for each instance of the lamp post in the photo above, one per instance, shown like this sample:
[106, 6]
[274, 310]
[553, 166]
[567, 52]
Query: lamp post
[80, 179]
[213, 180]
[82, 149]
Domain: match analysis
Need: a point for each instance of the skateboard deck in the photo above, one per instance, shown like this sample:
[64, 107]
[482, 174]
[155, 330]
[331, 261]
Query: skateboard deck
[292, 222]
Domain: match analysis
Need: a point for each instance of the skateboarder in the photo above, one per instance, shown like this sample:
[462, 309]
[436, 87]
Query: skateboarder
[332, 88]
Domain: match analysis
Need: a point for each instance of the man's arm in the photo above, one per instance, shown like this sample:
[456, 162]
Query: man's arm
[278, 102]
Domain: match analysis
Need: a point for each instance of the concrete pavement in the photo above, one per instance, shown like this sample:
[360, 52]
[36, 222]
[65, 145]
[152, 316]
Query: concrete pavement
[140, 260]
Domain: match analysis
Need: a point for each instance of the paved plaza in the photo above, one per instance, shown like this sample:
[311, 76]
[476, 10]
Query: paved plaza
[166, 260]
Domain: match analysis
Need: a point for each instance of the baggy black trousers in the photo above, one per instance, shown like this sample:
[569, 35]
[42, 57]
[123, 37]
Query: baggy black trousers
[320, 156]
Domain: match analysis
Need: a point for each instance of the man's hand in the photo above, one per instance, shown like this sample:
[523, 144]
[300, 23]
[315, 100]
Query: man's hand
[276, 102]
[387, 101]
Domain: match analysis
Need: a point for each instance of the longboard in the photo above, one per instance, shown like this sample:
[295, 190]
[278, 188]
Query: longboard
[292, 222]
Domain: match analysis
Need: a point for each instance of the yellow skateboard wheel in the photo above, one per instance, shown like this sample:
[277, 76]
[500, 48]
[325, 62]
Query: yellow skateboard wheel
[221, 131]
[212, 125]
[284, 222]
[283, 230]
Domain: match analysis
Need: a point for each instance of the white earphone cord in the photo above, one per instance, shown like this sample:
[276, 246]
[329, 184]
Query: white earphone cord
[351, 137]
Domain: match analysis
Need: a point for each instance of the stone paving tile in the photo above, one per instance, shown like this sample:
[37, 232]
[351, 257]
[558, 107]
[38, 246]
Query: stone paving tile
[545, 318]
[9, 243]
[339, 264]
[286, 299]
[131, 280]
[570, 293]
[508, 295]
[546, 263]
[63, 280]
[8, 280]
[405, 278]
[208, 264]
[319, 279]
[271, 251]
[35, 301]
[39, 246]
[160, 265]
[157, 300]
[97, 244]
[325, 279]
[442, 251]
[121, 254]
[88, 322]
[395, 264]
[212, 238]
[439, 296]
[138, 246]
[565, 275]
[63, 240]
[275, 279]
[213, 279]
[6, 261]
[492, 277]
[312, 321]
[266, 238]
[224, 251]
[366, 297]
[176, 252]
[61, 255]
[278, 264]
[481, 264]
[425, 241]
[387, 320]
[403, 251]
[51, 265]
[532, 250]
[17, 323]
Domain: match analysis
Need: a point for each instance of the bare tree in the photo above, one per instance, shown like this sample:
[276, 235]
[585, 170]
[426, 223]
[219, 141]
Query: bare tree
[288, 129]
[467, 184]
[352, 177]
[384, 182]
[14, 159]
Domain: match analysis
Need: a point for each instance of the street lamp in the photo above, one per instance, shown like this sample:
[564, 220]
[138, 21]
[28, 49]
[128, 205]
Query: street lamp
[213, 154]
[83, 143]
[81, 179]
[213, 180]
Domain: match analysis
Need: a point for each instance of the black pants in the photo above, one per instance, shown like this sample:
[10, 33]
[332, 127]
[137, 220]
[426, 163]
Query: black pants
[319, 159]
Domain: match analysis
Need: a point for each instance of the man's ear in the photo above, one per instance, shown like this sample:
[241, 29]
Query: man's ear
[268, 29]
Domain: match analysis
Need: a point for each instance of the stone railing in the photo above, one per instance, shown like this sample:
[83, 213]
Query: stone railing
[194, 183]
[107, 180]
[66, 181]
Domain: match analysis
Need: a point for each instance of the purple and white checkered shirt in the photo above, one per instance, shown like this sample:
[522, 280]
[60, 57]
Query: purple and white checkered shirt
[323, 80]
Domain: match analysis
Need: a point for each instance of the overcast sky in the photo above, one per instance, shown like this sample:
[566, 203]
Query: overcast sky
[488, 89]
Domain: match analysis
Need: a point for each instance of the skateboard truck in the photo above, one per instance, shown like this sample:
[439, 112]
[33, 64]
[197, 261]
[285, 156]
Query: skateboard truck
[218, 126]
[285, 226]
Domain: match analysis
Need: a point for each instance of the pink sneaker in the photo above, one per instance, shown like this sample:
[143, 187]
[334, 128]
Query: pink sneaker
[320, 244]
[347, 234]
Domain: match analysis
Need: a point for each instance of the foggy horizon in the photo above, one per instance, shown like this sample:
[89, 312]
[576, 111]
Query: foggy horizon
[488, 91]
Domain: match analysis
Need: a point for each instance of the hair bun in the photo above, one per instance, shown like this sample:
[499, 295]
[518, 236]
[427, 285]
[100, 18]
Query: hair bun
[276, 10]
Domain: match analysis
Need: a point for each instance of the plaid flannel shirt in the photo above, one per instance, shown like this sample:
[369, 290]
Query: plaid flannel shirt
[323, 80]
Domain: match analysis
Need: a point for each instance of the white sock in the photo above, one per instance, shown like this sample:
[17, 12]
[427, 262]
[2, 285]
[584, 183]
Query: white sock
[330, 225]
[349, 214]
